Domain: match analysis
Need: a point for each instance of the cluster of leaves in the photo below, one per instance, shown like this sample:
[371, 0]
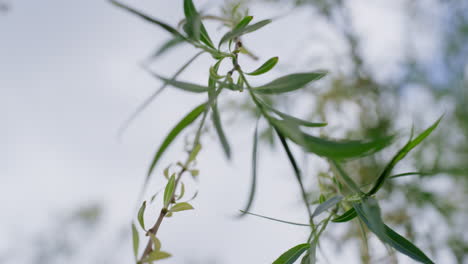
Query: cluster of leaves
[170, 206]
[288, 129]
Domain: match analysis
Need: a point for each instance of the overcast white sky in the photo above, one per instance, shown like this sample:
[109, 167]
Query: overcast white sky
[69, 75]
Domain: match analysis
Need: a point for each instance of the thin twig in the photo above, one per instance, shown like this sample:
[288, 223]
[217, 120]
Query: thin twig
[154, 230]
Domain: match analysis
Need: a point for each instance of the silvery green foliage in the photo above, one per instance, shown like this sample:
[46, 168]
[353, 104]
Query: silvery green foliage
[350, 199]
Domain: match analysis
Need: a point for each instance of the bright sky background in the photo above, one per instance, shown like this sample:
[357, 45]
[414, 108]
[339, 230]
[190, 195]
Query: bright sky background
[70, 75]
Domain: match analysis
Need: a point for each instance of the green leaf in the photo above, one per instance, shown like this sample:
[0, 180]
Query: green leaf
[328, 148]
[327, 205]
[141, 215]
[194, 153]
[214, 75]
[290, 256]
[344, 177]
[189, 87]
[215, 116]
[243, 23]
[346, 216]
[166, 172]
[161, 24]
[289, 83]
[343, 149]
[194, 25]
[181, 207]
[321, 199]
[400, 155]
[255, 27]
[238, 31]
[194, 173]
[253, 185]
[168, 191]
[274, 219]
[219, 130]
[267, 66]
[297, 171]
[408, 174]
[136, 240]
[387, 235]
[187, 120]
[370, 208]
[189, 9]
[156, 242]
[156, 255]
[182, 191]
[310, 256]
[240, 83]
[288, 118]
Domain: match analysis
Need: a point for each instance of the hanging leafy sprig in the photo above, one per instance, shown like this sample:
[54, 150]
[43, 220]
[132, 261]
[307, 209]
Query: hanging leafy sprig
[350, 197]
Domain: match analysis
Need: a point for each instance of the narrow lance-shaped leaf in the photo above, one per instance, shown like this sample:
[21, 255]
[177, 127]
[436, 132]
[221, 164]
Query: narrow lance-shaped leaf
[344, 149]
[156, 242]
[327, 205]
[371, 209]
[182, 191]
[181, 207]
[194, 173]
[400, 155]
[220, 131]
[387, 235]
[289, 83]
[297, 171]
[346, 216]
[408, 174]
[194, 26]
[310, 257]
[289, 118]
[166, 172]
[328, 148]
[215, 116]
[322, 198]
[214, 75]
[344, 177]
[186, 121]
[243, 23]
[161, 24]
[168, 191]
[141, 215]
[156, 255]
[290, 256]
[194, 153]
[189, 87]
[253, 185]
[267, 66]
[135, 241]
[243, 30]
[240, 83]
